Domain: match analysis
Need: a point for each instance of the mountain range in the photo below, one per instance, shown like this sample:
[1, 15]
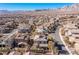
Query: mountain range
[74, 8]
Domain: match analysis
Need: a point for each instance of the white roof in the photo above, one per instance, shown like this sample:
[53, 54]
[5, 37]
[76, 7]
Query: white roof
[43, 45]
[22, 43]
[69, 25]
[77, 47]
[75, 31]
[39, 30]
[2, 43]
[36, 37]
[71, 39]
[41, 39]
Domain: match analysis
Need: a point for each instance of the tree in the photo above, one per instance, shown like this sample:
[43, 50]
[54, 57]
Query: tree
[66, 39]
[14, 44]
[62, 32]
[50, 38]
[30, 42]
[32, 28]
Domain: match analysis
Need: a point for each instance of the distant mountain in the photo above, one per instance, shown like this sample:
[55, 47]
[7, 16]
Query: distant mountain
[4, 11]
[74, 8]
[13, 12]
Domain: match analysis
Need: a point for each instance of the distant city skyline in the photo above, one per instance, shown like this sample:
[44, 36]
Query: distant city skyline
[31, 6]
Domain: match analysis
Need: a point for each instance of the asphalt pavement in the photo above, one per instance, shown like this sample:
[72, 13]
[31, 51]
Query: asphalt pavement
[60, 44]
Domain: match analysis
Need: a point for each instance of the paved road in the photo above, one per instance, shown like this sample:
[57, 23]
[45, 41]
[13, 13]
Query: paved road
[58, 40]
[56, 36]
[11, 34]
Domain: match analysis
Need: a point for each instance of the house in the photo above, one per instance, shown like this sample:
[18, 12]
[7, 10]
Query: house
[41, 43]
[20, 38]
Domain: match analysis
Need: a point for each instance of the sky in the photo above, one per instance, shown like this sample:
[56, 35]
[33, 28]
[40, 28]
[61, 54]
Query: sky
[31, 6]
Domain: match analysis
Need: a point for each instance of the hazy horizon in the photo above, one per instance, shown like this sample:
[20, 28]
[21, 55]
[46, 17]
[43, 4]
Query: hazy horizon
[31, 6]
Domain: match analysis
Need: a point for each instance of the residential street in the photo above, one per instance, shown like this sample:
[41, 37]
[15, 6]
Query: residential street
[60, 46]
